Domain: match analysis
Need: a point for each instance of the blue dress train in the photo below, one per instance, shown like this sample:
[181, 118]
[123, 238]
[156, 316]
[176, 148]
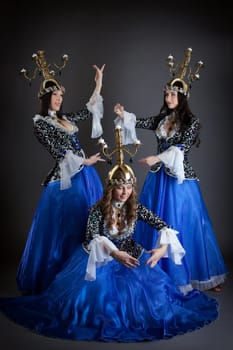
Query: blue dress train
[118, 305]
[121, 305]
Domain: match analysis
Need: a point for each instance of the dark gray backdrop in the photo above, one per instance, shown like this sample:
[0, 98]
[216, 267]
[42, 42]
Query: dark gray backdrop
[134, 42]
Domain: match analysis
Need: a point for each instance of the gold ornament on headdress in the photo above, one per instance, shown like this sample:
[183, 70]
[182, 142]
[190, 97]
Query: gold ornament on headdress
[129, 177]
[49, 75]
[179, 71]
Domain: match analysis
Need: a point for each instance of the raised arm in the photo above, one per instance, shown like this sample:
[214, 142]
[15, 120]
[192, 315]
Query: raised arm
[98, 78]
[149, 123]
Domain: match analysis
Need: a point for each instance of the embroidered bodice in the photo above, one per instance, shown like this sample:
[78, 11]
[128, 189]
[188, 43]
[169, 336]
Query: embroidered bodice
[123, 240]
[58, 140]
[184, 140]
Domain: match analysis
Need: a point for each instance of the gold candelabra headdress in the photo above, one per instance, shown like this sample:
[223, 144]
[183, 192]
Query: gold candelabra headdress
[181, 71]
[43, 68]
[129, 177]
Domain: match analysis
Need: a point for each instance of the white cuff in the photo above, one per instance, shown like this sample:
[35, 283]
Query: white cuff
[95, 106]
[127, 125]
[173, 158]
[100, 249]
[175, 251]
[69, 166]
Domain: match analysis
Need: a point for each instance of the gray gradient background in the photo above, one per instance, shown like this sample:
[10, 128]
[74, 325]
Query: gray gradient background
[134, 42]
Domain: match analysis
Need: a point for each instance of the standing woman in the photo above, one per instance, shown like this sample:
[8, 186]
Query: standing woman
[171, 188]
[71, 187]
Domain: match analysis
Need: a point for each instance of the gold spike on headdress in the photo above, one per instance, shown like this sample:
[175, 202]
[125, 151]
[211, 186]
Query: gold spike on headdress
[129, 177]
[50, 83]
[179, 72]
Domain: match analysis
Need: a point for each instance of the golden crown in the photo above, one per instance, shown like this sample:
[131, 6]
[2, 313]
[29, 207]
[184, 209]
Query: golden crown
[50, 83]
[129, 177]
[180, 71]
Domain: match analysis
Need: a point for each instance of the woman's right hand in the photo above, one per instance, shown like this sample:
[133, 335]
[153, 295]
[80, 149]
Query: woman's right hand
[149, 161]
[93, 159]
[125, 259]
[119, 110]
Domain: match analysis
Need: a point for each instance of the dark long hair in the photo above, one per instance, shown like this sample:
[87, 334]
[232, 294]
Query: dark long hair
[182, 113]
[45, 102]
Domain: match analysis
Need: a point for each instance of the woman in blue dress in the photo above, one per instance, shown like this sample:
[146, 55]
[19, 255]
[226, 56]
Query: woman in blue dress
[171, 188]
[70, 189]
[111, 289]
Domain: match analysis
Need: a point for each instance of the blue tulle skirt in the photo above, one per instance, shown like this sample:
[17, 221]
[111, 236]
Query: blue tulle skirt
[182, 207]
[121, 305]
[57, 228]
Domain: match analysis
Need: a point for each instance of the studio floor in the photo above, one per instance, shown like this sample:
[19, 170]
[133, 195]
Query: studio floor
[216, 336]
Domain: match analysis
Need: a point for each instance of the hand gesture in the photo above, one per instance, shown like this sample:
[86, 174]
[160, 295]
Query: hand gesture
[98, 77]
[149, 161]
[125, 259]
[156, 255]
[93, 159]
[119, 110]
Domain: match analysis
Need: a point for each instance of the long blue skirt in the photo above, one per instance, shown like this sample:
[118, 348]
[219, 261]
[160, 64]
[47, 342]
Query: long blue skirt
[57, 228]
[182, 207]
[121, 305]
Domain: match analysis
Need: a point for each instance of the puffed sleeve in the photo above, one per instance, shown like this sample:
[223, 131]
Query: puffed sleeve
[98, 246]
[167, 235]
[95, 106]
[175, 251]
[100, 249]
[173, 158]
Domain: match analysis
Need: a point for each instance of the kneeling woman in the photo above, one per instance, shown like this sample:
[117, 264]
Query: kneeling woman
[111, 289]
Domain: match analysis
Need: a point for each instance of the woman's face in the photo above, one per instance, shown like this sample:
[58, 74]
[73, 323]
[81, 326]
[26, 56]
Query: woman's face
[171, 98]
[121, 193]
[56, 100]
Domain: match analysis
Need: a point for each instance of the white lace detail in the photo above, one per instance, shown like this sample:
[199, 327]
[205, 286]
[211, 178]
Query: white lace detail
[100, 249]
[70, 165]
[161, 130]
[173, 158]
[127, 125]
[95, 106]
[175, 251]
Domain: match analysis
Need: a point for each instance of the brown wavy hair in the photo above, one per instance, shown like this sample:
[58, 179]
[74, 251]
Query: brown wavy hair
[106, 202]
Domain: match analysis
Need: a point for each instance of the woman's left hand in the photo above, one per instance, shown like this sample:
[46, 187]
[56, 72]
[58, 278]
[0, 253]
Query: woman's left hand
[119, 110]
[157, 254]
[93, 159]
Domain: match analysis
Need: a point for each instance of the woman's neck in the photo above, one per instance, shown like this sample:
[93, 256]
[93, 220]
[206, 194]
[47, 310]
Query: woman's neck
[51, 113]
[118, 204]
[119, 213]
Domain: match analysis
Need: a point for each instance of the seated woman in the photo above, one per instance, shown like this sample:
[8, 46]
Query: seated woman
[111, 289]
